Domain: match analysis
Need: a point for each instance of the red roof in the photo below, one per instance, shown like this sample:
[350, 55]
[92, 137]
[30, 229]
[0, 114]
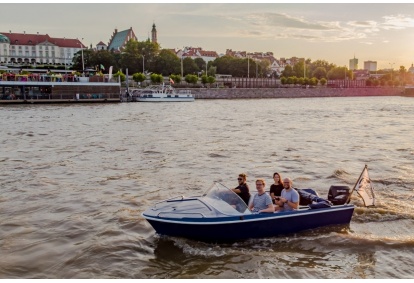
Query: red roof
[35, 39]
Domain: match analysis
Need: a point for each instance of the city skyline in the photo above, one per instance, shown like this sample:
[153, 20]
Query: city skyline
[332, 32]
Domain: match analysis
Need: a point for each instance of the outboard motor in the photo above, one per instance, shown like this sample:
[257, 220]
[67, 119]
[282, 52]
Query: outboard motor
[338, 194]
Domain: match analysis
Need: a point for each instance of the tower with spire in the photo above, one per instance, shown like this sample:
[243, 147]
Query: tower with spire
[153, 34]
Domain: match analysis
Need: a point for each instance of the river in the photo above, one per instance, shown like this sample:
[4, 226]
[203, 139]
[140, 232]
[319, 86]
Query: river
[76, 178]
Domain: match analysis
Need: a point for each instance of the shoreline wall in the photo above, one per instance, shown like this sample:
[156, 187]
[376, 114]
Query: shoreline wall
[254, 93]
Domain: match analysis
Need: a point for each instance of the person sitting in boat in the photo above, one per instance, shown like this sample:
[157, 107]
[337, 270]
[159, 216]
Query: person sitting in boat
[242, 190]
[262, 202]
[276, 188]
[289, 199]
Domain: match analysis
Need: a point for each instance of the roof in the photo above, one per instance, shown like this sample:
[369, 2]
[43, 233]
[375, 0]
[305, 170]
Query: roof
[118, 40]
[35, 39]
[101, 43]
[4, 39]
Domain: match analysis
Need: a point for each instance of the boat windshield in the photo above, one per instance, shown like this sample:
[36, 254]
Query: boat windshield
[225, 200]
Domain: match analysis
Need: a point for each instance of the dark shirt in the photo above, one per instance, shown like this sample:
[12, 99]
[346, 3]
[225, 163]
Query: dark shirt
[244, 192]
[276, 189]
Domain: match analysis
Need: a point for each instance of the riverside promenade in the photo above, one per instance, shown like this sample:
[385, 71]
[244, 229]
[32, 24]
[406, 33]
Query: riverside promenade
[111, 94]
[291, 92]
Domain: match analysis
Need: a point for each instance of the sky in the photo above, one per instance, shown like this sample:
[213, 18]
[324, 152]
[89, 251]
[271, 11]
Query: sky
[335, 32]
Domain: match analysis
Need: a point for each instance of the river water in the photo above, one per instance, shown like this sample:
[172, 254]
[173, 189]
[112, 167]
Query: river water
[76, 178]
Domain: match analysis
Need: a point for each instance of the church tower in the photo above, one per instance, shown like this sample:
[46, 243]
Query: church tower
[154, 34]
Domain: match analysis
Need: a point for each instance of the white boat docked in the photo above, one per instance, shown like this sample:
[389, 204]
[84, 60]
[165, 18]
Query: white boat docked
[162, 93]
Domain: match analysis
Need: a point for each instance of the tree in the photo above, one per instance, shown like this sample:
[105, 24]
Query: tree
[139, 77]
[136, 53]
[338, 73]
[189, 66]
[288, 71]
[87, 59]
[319, 73]
[167, 63]
[313, 81]
[103, 58]
[320, 63]
[121, 75]
[156, 78]
[211, 80]
[191, 79]
[323, 81]
[204, 79]
[176, 78]
[201, 64]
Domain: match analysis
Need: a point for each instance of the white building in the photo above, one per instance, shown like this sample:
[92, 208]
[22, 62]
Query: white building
[23, 48]
[353, 64]
[370, 66]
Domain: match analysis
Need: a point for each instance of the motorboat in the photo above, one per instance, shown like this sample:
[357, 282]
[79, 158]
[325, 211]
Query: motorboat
[220, 215]
[162, 93]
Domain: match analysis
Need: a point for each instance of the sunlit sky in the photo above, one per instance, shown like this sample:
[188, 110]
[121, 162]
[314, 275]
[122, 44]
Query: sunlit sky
[329, 31]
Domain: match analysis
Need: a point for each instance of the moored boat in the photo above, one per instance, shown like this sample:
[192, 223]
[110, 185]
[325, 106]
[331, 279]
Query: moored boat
[162, 93]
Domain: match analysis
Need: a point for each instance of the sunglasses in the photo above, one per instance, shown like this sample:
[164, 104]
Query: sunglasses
[239, 179]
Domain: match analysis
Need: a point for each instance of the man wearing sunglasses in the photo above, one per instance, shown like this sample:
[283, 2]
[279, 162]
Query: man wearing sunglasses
[242, 190]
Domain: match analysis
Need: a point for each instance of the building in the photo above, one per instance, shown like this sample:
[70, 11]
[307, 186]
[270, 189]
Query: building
[154, 34]
[370, 66]
[119, 39]
[24, 48]
[101, 46]
[353, 64]
[411, 69]
[197, 52]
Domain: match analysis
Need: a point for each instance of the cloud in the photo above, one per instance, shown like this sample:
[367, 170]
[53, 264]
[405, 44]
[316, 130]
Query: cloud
[397, 22]
[287, 21]
[284, 26]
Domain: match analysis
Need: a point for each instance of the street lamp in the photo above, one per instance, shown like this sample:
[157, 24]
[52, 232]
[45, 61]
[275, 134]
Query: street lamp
[392, 70]
[304, 68]
[181, 65]
[248, 67]
[83, 63]
[143, 64]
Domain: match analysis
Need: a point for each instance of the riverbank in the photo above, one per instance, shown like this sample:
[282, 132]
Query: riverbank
[254, 93]
[68, 96]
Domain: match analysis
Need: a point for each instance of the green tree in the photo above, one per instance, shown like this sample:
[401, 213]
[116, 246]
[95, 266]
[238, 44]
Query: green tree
[191, 79]
[138, 54]
[211, 80]
[319, 73]
[204, 79]
[139, 77]
[103, 58]
[288, 71]
[201, 64]
[176, 78]
[339, 73]
[167, 63]
[313, 81]
[283, 80]
[121, 75]
[323, 81]
[189, 66]
[87, 59]
[156, 78]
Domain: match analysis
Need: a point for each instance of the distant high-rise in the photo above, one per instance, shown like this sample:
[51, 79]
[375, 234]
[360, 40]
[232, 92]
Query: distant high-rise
[353, 64]
[370, 66]
[154, 34]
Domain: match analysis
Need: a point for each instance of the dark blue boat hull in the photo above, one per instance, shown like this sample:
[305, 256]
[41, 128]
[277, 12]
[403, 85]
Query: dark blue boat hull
[232, 228]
